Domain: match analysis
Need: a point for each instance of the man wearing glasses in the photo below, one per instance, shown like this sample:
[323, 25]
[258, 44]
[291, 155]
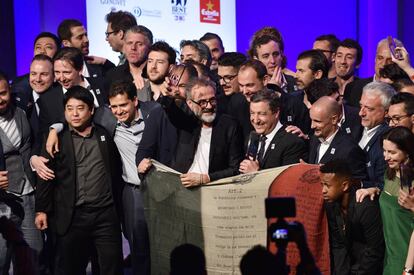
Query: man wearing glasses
[401, 111]
[327, 44]
[209, 145]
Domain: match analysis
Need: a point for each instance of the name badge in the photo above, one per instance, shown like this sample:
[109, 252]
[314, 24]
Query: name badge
[332, 151]
[102, 138]
[348, 131]
[272, 146]
[98, 92]
[289, 118]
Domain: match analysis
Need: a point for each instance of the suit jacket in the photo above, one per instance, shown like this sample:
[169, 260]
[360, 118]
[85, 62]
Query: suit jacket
[375, 160]
[159, 138]
[359, 249]
[51, 104]
[352, 124]
[295, 112]
[122, 72]
[99, 70]
[226, 147]
[341, 147]
[57, 197]
[239, 108]
[285, 148]
[353, 91]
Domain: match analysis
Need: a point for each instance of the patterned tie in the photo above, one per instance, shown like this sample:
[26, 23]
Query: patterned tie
[260, 154]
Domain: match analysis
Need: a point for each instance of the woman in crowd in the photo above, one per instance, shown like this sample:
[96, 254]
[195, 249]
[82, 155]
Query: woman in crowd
[398, 222]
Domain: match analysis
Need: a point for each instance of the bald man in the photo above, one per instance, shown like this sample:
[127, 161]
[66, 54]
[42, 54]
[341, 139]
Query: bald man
[329, 142]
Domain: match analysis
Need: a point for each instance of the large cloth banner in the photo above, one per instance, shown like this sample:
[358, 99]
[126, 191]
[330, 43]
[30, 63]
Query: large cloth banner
[224, 218]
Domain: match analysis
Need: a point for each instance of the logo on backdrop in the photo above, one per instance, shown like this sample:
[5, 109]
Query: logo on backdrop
[113, 2]
[178, 9]
[138, 12]
[210, 11]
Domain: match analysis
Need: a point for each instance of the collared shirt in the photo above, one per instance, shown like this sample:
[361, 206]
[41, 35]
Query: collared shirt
[36, 96]
[85, 72]
[127, 139]
[270, 136]
[325, 143]
[92, 180]
[86, 85]
[9, 127]
[201, 162]
[367, 135]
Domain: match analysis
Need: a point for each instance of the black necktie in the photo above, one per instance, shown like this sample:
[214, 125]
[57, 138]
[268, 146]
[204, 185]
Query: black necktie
[260, 155]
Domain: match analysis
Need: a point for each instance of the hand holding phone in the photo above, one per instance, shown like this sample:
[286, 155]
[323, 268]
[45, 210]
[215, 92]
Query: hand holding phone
[393, 45]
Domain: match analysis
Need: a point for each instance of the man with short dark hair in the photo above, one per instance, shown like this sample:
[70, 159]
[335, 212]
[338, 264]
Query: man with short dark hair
[87, 185]
[276, 147]
[215, 44]
[118, 23]
[355, 228]
[228, 69]
[348, 57]
[401, 111]
[269, 50]
[195, 50]
[311, 65]
[328, 43]
[137, 41]
[72, 33]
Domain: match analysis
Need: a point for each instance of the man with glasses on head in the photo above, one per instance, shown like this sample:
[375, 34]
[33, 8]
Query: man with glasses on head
[401, 111]
[209, 144]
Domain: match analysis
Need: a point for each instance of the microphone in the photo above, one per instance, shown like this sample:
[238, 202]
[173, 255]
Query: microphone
[253, 146]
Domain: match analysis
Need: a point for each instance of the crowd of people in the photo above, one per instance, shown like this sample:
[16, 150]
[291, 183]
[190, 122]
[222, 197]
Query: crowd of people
[79, 133]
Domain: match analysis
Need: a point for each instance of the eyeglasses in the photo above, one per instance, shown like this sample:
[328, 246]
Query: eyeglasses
[109, 33]
[204, 103]
[227, 78]
[396, 119]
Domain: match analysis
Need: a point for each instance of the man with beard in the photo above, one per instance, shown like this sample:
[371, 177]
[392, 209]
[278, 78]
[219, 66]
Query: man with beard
[215, 44]
[17, 178]
[348, 56]
[72, 33]
[137, 42]
[161, 57]
[209, 145]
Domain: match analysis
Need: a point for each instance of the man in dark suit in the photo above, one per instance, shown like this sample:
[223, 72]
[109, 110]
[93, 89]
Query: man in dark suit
[68, 64]
[375, 101]
[355, 229]
[276, 147]
[80, 204]
[328, 142]
[137, 42]
[209, 144]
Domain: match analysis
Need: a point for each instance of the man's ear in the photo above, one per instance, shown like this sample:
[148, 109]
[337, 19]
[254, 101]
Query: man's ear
[318, 74]
[66, 43]
[93, 110]
[346, 185]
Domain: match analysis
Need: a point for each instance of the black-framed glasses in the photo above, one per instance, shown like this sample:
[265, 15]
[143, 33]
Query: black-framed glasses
[204, 102]
[107, 34]
[396, 119]
[227, 78]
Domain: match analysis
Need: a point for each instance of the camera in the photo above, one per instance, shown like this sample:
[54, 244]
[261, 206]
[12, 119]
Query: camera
[281, 207]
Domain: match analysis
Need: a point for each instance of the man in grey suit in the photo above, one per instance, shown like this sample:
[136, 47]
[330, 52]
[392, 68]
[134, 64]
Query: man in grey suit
[17, 178]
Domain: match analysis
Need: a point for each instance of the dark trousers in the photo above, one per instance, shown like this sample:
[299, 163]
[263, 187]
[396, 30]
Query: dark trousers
[97, 228]
[136, 230]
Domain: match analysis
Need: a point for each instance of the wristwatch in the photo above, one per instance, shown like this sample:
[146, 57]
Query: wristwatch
[407, 271]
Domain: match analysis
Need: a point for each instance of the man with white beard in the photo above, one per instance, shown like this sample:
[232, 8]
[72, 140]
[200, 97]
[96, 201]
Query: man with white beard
[209, 145]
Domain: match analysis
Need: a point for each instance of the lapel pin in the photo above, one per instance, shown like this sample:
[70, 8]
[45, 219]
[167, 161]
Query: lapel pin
[98, 92]
[289, 118]
[272, 146]
[369, 164]
[348, 130]
[102, 138]
[332, 151]
[95, 75]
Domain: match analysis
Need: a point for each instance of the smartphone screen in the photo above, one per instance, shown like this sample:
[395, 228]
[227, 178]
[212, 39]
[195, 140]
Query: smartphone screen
[391, 44]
